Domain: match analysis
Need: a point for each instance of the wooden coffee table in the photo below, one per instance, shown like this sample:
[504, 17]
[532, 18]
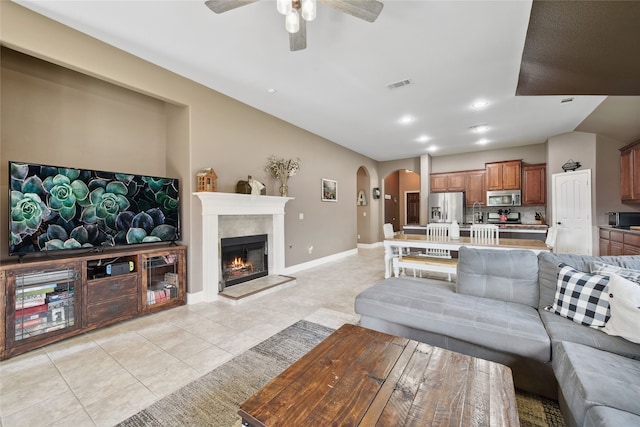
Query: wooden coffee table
[360, 377]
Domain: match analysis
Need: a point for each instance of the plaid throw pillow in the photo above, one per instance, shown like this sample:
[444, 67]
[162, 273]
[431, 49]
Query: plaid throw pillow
[581, 297]
[596, 267]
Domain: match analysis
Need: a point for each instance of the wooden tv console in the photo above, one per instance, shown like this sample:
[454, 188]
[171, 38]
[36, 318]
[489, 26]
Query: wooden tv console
[46, 300]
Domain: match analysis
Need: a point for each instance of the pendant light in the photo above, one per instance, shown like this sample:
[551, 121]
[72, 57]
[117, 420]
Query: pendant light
[284, 6]
[292, 21]
[308, 10]
[289, 8]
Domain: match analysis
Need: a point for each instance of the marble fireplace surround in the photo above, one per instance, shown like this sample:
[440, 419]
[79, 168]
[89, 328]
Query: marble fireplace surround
[235, 215]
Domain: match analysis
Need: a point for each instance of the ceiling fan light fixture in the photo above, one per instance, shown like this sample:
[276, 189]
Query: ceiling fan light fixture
[292, 21]
[308, 10]
[284, 6]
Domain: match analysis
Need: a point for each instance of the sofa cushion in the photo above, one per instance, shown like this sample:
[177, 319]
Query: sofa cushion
[624, 299]
[603, 416]
[510, 276]
[562, 329]
[590, 377]
[434, 306]
[581, 297]
[548, 270]
[597, 267]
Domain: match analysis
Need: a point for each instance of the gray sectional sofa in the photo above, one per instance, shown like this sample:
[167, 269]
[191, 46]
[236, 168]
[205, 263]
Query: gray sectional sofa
[496, 311]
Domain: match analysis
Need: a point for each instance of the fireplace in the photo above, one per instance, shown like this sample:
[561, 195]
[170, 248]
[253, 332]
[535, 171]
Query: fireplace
[243, 258]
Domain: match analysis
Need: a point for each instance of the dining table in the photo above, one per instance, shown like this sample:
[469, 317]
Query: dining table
[393, 246]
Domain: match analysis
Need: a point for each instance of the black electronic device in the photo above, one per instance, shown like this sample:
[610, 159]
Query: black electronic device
[119, 268]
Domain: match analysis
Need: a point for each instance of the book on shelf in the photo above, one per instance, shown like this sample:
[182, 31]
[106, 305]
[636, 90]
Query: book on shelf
[158, 296]
[35, 290]
[33, 302]
[60, 296]
[31, 320]
[31, 310]
[61, 303]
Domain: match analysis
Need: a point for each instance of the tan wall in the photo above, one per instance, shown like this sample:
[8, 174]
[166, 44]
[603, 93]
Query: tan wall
[607, 185]
[602, 156]
[364, 212]
[457, 162]
[202, 128]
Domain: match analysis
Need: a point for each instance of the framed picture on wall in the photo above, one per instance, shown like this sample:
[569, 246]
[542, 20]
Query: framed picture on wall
[329, 190]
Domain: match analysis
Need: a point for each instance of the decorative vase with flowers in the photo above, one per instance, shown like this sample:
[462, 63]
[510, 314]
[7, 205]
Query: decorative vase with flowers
[283, 169]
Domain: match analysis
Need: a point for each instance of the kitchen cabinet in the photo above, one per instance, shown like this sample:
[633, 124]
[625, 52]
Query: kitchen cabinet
[503, 175]
[534, 182]
[619, 242]
[442, 182]
[630, 172]
[474, 186]
[472, 182]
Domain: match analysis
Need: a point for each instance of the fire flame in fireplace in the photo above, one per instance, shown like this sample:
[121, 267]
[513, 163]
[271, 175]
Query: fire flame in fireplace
[239, 264]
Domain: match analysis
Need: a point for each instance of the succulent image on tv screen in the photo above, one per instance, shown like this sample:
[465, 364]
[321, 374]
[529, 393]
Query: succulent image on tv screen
[56, 208]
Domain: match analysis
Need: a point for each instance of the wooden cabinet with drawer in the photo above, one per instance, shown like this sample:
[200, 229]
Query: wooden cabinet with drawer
[111, 299]
[85, 292]
[618, 242]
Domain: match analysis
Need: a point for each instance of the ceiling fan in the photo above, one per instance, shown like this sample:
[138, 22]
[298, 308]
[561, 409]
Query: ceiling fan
[298, 12]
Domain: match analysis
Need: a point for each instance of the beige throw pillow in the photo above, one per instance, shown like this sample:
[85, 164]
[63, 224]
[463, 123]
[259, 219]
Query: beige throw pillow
[624, 304]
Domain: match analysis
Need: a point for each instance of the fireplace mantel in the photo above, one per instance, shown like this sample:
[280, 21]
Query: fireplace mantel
[215, 205]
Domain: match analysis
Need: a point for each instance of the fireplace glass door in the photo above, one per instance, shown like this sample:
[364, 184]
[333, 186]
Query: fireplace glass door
[243, 259]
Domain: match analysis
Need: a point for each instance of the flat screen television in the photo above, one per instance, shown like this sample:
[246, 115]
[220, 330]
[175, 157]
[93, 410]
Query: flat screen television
[55, 208]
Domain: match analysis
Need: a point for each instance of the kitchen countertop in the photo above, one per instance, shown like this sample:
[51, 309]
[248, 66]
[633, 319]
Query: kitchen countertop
[521, 228]
[624, 230]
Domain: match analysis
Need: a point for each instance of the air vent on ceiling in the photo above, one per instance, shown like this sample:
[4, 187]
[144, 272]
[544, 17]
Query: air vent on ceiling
[399, 84]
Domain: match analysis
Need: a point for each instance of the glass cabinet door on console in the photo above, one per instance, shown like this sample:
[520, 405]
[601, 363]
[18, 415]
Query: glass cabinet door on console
[162, 278]
[41, 304]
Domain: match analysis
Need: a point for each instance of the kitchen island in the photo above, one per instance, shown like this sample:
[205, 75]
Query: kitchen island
[507, 231]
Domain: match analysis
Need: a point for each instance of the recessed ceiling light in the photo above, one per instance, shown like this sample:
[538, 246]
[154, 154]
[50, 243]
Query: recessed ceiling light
[423, 138]
[272, 90]
[483, 141]
[405, 120]
[480, 104]
[432, 148]
[479, 128]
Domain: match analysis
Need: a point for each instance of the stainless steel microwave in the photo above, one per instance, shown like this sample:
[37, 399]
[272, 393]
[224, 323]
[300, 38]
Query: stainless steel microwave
[504, 198]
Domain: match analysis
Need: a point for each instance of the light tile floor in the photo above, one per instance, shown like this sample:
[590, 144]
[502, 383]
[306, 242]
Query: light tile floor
[105, 376]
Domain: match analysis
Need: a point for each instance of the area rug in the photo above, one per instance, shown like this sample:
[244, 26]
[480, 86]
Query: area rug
[213, 399]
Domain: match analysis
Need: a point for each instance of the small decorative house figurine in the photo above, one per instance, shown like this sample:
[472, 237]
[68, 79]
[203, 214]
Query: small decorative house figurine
[207, 180]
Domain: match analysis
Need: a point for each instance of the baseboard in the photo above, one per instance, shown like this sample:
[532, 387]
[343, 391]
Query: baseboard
[197, 297]
[317, 262]
[369, 245]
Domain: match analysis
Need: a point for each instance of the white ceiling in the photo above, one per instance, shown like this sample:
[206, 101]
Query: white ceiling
[454, 52]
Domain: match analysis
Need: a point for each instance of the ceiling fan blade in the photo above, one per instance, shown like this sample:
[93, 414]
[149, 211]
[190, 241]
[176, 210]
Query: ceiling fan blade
[220, 6]
[298, 41]
[363, 9]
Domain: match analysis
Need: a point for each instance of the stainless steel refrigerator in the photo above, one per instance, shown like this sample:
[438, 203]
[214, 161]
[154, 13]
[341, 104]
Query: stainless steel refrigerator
[445, 207]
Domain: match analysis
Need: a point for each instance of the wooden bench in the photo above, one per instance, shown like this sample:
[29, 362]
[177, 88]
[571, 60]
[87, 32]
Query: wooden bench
[425, 263]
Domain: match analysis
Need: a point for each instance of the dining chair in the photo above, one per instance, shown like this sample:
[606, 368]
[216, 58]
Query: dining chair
[552, 233]
[438, 231]
[487, 233]
[389, 233]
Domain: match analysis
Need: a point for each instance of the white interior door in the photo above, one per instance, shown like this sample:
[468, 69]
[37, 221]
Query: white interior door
[571, 212]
